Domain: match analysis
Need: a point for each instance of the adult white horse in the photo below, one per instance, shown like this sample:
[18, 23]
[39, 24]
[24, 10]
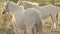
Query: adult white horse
[27, 4]
[23, 19]
[47, 10]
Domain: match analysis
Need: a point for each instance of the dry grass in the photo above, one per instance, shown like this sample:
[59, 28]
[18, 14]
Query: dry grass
[7, 28]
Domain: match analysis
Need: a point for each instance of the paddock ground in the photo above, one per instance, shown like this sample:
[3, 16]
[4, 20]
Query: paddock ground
[7, 28]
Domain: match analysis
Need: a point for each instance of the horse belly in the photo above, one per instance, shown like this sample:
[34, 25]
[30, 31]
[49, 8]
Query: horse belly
[45, 15]
[44, 11]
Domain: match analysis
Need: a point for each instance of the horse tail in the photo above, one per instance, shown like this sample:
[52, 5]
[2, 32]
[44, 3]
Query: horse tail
[57, 13]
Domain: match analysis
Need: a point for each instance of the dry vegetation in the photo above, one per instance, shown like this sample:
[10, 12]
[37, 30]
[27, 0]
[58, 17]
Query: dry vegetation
[7, 28]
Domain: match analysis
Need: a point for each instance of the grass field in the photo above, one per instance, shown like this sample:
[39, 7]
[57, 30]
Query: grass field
[7, 28]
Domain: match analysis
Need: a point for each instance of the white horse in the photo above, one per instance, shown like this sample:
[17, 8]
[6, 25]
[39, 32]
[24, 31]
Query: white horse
[23, 19]
[27, 4]
[48, 10]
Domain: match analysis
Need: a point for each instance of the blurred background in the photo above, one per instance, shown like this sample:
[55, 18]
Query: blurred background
[6, 26]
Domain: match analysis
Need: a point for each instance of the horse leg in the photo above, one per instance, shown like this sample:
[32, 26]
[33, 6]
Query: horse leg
[39, 28]
[15, 25]
[22, 31]
[39, 25]
[25, 31]
[34, 30]
[55, 21]
[29, 30]
[15, 29]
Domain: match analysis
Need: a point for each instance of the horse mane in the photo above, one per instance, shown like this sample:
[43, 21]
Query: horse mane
[32, 3]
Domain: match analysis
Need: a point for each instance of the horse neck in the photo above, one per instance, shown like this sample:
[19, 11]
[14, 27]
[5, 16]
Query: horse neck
[27, 5]
[17, 14]
[16, 11]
